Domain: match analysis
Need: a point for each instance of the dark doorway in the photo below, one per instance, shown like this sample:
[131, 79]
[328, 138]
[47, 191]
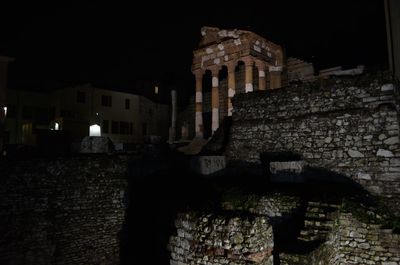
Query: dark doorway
[207, 116]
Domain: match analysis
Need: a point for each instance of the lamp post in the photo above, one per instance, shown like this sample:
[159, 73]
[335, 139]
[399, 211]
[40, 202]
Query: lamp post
[95, 129]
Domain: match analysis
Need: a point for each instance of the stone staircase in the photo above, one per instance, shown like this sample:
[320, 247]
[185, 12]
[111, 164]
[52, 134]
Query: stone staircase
[318, 223]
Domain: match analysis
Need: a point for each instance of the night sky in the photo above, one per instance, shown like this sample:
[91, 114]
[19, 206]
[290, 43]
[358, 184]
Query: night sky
[114, 45]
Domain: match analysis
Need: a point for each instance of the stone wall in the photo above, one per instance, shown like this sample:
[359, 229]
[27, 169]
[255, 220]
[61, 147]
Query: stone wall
[348, 126]
[244, 230]
[63, 211]
[357, 242]
[273, 204]
[219, 239]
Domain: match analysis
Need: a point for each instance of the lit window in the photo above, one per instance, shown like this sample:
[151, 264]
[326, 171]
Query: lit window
[156, 89]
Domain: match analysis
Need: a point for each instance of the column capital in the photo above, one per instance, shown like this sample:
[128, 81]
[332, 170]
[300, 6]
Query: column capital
[231, 65]
[260, 65]
[198, 73]
[248, 60]
[215, 70]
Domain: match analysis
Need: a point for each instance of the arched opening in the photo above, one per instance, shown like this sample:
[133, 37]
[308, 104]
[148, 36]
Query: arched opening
[240, 77]
[255, 78]
[223, 93]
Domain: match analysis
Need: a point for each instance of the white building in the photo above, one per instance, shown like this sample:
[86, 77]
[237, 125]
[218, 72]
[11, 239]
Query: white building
[123, 117]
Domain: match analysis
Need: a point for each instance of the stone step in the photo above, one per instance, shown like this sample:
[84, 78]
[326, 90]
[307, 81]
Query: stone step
[293, 259]
[318, 221]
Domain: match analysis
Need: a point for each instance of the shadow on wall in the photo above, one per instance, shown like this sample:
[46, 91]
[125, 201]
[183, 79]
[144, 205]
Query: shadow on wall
[293, 169]
[159, 188]
[219, 141]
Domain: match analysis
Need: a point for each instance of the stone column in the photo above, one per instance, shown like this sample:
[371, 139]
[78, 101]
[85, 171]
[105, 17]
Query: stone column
[172, 130]
[231, 85]
[261, 75]
[248, 62]
[199, 104]
[215, 99]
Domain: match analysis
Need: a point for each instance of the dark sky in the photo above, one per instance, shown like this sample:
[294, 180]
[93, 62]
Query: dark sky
[113, 44]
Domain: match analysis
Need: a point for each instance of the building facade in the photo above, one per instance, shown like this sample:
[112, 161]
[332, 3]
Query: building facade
[123, 117]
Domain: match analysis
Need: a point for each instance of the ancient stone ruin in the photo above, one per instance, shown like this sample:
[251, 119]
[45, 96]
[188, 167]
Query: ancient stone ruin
[327, 153]
[220, 48]
[340, 126]
[332, 143]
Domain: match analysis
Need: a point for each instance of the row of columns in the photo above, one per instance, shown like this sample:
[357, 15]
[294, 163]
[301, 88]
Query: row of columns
[249, 62]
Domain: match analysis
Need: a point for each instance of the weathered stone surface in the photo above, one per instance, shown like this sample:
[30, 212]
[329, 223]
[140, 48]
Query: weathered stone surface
[329, 126]
[364, 176]
[355, 242]
[292, 166]
[287, 171]
[62, 211]
[392, 140]
[96, 144]
[387, 87]
[222, 240]
[384, 153]
[355, 153]
[207, 165]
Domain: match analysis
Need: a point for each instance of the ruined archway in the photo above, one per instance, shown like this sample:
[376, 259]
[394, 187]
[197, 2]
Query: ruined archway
[226, 48]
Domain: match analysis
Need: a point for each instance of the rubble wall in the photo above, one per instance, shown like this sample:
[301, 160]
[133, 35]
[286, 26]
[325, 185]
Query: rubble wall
[346, 126]
[62, 210]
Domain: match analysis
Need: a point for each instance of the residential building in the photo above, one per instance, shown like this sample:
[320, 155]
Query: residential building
[123, 117]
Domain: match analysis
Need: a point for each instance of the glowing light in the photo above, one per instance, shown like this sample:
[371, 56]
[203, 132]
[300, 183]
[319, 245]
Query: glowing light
[56, 126]
[94, 130]
[156, 89]
[5, 111]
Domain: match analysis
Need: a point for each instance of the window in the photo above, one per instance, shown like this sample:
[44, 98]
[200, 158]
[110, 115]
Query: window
[127, 103]
[80, 97]
[124, 127]
[114, 127]
[106, 124]
[106, 101]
